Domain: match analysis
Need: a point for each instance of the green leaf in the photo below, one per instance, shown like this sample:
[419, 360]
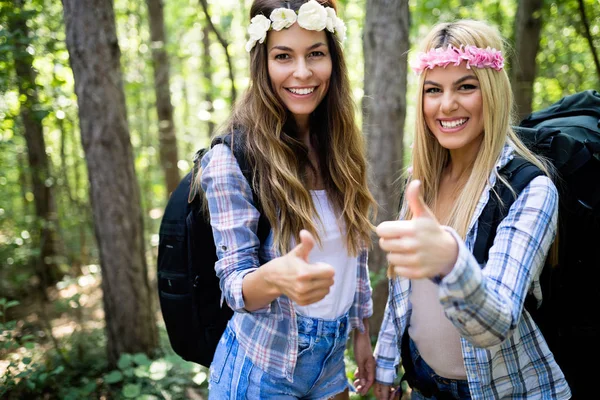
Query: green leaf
[11, 304]
[89, 388]
[29, 345]
[131, 390]
[158, 370]
[27, 360]
[125, 361]
[141, 371]
[141, 359]
[113, 377]
[58, 370]
[201, 377]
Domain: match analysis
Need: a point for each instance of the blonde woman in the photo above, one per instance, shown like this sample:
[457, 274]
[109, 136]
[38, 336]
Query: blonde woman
[298, 295]
[459, 328]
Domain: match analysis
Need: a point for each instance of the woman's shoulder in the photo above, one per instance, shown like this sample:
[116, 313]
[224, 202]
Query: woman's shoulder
[539, 194]
[544, 183]
[219, 163]
[218, 153]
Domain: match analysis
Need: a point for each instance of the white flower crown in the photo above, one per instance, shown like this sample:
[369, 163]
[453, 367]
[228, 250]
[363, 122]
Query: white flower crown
[311, 16]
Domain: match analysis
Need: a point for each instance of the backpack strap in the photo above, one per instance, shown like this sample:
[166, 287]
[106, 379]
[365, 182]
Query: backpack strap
[236, 141]
[518, 172]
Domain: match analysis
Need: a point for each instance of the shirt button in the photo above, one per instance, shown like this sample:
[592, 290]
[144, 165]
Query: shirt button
[223, 247]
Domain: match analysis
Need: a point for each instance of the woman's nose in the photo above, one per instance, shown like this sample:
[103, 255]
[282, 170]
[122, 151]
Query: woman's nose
[449, 103]
[302, 70]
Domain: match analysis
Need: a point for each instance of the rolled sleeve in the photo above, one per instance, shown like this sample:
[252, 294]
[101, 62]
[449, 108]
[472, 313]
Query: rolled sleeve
[366, 291]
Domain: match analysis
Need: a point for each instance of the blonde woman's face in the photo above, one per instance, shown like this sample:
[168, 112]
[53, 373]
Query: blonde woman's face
[453, 107]
[299, 65]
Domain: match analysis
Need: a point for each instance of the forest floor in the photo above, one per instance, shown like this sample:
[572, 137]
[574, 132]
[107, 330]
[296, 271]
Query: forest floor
[72, 307]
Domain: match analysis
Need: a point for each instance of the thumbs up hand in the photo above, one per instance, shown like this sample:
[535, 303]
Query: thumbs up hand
[420, 247]
[299, 279]
[416, 203]
[302, 250]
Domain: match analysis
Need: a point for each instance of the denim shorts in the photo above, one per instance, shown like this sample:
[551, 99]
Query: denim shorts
[320, 371]
[427, 379]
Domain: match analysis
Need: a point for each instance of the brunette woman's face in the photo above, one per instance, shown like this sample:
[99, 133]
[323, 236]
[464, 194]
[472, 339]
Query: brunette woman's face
[453, 107]
[299, 65]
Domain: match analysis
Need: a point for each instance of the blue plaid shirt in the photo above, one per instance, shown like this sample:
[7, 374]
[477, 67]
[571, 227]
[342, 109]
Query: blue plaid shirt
[504, 353]
[270, 335]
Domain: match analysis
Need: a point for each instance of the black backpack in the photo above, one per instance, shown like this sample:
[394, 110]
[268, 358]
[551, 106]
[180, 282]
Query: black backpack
[568, 134]
[188, 288]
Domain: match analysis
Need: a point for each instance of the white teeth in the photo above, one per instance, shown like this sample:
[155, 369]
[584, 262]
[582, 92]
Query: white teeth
[453, 124]
[302, 91]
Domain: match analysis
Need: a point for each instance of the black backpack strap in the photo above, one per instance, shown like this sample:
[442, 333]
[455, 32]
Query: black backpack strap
[236, 141]
[193, 199]
[518, 172]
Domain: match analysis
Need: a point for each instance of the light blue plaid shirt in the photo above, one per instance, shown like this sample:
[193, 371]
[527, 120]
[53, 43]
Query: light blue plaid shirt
[504, 353]
[270, 335]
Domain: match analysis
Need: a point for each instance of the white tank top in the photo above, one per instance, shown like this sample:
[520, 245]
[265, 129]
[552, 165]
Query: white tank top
[333, 252]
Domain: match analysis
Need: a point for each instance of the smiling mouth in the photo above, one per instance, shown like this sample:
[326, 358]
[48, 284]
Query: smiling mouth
[453, 124]
[303, 91]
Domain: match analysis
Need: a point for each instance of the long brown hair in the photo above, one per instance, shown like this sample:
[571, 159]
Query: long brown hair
[280, 161]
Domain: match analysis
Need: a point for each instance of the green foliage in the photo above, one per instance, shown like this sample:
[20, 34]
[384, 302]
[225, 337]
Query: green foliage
[137, 375]
[427, 13]
[78, 368]
[564, 61]
[351, 368]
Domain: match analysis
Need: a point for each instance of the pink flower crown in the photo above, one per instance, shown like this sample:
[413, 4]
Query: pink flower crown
[474, 56]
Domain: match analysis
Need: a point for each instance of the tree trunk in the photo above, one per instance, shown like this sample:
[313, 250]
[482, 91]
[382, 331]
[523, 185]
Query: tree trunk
[588, 36]
[95, 60]
[47, 266]
[166, 126]
[528, 26]
[385, 45]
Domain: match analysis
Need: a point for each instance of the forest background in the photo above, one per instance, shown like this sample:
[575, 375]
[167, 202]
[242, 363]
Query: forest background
[102, 106]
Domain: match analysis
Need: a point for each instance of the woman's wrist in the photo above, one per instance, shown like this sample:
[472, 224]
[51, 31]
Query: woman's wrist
[365, 333]
[451, 248]
[270, 275]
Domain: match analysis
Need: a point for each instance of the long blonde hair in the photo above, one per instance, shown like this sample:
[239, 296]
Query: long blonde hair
[279, 159]
[430, 158]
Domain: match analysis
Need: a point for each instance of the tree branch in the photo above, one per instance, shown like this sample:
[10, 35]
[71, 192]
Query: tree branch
[224, 44]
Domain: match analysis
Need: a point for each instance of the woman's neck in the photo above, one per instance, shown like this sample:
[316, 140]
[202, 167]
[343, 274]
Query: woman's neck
[458, 170]
[303, 128]
[461, 161]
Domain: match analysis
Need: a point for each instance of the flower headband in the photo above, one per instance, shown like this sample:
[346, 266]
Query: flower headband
[474, 56]
[311, 16]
